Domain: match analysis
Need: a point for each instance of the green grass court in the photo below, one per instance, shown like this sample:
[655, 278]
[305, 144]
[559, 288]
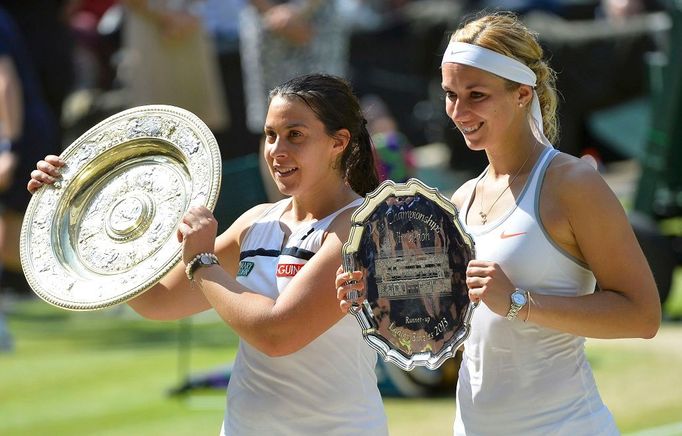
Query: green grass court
[107, 373]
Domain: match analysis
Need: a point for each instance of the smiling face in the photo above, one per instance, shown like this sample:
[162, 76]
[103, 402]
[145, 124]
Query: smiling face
[299, 152]
[483, 107]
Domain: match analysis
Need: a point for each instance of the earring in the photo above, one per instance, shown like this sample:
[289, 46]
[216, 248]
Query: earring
[520, 104]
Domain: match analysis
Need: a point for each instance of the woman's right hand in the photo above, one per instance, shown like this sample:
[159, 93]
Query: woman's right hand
[46, 173]
[347, 282]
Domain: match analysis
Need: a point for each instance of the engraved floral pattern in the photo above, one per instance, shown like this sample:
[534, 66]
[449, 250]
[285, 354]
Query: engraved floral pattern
[69, 258]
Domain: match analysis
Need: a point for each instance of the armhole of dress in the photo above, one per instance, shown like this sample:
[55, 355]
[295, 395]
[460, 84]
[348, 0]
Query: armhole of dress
[542, 171]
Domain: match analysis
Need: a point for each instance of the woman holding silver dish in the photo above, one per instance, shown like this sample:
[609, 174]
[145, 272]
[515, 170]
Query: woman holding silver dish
[302, 366]
[547, 229]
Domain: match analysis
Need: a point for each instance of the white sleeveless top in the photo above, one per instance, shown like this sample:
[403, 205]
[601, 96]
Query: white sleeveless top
[519, 378]
[328, 387]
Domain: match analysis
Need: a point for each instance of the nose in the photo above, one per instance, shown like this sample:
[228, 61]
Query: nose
[276, 148]
[456, 109]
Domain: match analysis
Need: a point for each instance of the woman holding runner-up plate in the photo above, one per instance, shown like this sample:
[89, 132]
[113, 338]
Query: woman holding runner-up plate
[547, 232]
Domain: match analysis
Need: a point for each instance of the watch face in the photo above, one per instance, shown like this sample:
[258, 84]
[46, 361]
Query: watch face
[205, 259]
[519, 298]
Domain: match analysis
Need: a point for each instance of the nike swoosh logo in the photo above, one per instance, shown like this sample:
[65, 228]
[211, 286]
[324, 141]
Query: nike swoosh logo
[504, 235]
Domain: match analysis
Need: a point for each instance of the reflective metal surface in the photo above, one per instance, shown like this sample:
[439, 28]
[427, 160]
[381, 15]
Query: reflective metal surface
[107, 230]
[413, 251]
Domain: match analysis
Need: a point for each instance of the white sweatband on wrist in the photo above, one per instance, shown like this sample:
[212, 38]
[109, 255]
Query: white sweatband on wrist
[503, 66]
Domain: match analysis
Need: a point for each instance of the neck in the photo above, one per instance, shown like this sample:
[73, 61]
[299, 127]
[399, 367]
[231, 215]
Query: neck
[307, 207]
[507, 159]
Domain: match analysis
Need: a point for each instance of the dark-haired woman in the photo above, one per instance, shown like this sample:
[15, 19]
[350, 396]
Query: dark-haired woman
[302, 367]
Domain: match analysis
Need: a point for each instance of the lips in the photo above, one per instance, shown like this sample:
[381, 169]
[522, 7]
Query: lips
[470, 129]
[284, 172]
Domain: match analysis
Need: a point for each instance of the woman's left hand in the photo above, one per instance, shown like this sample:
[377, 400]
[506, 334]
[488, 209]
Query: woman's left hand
[197, 232]
[488, 283]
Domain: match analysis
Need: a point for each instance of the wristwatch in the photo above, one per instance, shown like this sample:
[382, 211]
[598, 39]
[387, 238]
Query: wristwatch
[519, 298]
[201, 259]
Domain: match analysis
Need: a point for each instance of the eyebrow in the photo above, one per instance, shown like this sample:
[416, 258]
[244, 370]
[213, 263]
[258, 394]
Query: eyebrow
[474, 85]
[289, 126]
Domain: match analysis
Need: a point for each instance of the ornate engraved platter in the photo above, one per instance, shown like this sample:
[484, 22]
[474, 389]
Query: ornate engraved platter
[106, 231]
[413, 251]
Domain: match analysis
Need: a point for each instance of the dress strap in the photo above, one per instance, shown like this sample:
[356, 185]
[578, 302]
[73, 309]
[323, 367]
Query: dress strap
[538, 176]
[329, 218]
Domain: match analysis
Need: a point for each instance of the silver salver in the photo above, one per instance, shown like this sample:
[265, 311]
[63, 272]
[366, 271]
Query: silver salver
[413, 251]
[106, 231]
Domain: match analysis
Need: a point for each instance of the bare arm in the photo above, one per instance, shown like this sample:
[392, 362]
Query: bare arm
[627, 304]
[583, 216]
[11, 97]
[11, 118]
[306, 310]
[174, 297]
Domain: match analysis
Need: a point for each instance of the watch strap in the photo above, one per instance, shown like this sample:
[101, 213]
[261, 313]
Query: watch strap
[515, 307]
[197, 262]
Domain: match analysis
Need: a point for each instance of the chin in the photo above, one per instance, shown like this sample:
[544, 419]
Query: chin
[474, 146]
[287, 190]
[283, 190]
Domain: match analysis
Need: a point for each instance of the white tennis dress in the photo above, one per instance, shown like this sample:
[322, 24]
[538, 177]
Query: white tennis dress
[520, 378]
[328, 387]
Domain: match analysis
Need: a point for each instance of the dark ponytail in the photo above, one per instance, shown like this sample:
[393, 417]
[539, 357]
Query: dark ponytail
[358, 162]
[331, 98]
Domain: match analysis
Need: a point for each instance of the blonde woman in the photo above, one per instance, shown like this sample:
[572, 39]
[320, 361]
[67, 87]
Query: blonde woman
[547, 229]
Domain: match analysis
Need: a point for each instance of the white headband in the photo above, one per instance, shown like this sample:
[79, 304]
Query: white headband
[503, 66]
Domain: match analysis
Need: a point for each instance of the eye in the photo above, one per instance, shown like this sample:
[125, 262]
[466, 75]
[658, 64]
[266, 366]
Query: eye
[477, 95]
[295, 134]
[450, 95]
[270, 136]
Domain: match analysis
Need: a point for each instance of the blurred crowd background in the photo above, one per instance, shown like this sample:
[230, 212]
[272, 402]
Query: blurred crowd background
[67, 64]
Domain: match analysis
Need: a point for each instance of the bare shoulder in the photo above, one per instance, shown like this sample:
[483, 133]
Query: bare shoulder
[576, 205]
[569, 178]
[461, 194]
[237, 230]
[575, 193]
[252, 214]
[341, 223]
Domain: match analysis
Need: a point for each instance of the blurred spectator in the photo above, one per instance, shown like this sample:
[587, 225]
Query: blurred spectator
[169, 59]
[44, 28]
[6, 340]
[394, 54]
[600, 63]
[282, 39]
[393, 150]
[597, 48]
[519, 7]
[27, 132]
[221, 20]
[242, 184]
[96, 26]
[620, 10]
[96, 41]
